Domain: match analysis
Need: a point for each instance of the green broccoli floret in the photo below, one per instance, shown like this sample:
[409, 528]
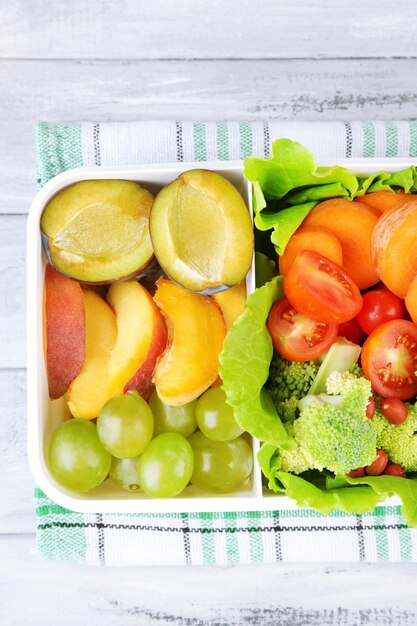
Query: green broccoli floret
[288, 382]
[293, 460]
[339, 437]
[398, 440]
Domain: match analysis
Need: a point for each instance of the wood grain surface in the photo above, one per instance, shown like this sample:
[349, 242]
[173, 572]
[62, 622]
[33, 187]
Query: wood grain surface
[223, 59]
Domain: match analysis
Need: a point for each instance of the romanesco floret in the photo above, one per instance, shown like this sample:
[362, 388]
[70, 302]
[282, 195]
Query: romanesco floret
[338, 438]
[288, 382]
[293, 460]
[398, 440]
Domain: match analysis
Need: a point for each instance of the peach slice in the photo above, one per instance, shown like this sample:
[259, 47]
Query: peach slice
[196, 332]
[231, 302]
[64, 331]
[97, 230]
[141, 338]
[90, 389]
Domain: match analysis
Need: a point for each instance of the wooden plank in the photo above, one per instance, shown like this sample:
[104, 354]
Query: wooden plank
[17, 163]
[255, 90]
[207, 29]
[17, 515]
[35, 592]
[12, 302]
[118, 90]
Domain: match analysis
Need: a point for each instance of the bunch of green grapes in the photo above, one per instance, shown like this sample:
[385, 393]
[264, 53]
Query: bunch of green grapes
[155, 447]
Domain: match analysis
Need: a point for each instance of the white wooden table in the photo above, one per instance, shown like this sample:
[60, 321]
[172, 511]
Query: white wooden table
[217, 59]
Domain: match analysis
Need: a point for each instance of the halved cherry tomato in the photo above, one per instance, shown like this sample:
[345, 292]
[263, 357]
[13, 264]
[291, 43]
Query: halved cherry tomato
[357, 473]
[394, 410]
[389, 359]
[378, 466]
[351, 331]
[370, 408]
[379, 306]
[297, 337]
[393, 469]
[321, 290]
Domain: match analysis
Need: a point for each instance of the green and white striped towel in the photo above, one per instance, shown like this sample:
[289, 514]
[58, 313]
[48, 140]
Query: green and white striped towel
[217, 538]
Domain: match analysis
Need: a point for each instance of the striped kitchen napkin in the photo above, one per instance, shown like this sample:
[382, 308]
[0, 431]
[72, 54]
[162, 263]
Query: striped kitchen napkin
[217, 538]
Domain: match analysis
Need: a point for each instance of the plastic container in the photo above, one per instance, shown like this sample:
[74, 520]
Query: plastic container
[45, 415]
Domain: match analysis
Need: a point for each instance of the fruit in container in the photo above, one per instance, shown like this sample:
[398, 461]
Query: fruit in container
[220, 466]
[173, 419]
[231, 302]
[125, 425]
[202, 232]
[196, 332]
[77, 459]
[125, 473]
[165, 467]
[215, 418]
[97, 231]
[90, 389]
[64, 331]
[141, 338]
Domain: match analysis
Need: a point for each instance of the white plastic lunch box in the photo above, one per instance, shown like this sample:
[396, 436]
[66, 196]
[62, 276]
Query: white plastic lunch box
[45, 415]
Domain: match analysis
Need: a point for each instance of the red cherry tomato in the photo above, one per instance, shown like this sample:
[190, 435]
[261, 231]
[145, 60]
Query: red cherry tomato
[378, 466]
[351, 331]
[389, 359]
[370, 408]
[321, 290]
[394, 410]
[392, 469]
[379, 306]
[357, 473]
[295, 336]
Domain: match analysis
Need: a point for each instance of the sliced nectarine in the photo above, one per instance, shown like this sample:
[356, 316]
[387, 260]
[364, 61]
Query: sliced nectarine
[231, 302]
[97, 230]
[196, 332]
[64, 331]
[90, 389]
[394, 245]
[141, 338]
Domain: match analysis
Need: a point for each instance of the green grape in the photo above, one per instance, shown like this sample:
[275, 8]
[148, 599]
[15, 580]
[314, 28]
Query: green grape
[215, 417]
[77, 459]
[125, 425]
[125, 473]
[166, 466]
[220, 466]
[173, 419]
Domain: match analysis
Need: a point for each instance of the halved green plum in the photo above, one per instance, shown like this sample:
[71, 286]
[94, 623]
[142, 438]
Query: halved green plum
[202, 232]
[97, 231]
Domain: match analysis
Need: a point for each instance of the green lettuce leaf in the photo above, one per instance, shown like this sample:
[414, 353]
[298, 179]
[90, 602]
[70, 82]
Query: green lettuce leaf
[327, 493]
[244, 368]
[383, 181]
[290, 178]
[405, 488]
